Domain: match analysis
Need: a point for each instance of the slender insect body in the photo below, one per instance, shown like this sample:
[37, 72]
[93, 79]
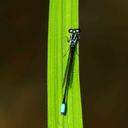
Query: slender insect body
[74, 38]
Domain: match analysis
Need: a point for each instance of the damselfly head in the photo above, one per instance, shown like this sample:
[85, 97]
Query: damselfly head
[74, 30]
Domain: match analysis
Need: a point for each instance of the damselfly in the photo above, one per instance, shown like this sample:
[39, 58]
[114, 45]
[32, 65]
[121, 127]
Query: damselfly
[73, 40]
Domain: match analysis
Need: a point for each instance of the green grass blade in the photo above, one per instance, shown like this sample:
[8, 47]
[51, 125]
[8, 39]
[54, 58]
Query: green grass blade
[63, 14]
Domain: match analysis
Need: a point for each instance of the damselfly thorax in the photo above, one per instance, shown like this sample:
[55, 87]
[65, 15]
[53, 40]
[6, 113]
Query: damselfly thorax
[74, 37]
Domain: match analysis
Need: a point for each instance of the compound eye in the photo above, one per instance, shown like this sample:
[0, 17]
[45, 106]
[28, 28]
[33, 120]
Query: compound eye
[78, 30]
[70, 30]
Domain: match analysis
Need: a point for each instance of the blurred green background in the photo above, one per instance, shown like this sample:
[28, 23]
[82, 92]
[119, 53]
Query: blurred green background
[103, 63]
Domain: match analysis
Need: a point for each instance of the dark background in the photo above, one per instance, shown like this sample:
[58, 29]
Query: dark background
[103, 63]
[23, 39]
